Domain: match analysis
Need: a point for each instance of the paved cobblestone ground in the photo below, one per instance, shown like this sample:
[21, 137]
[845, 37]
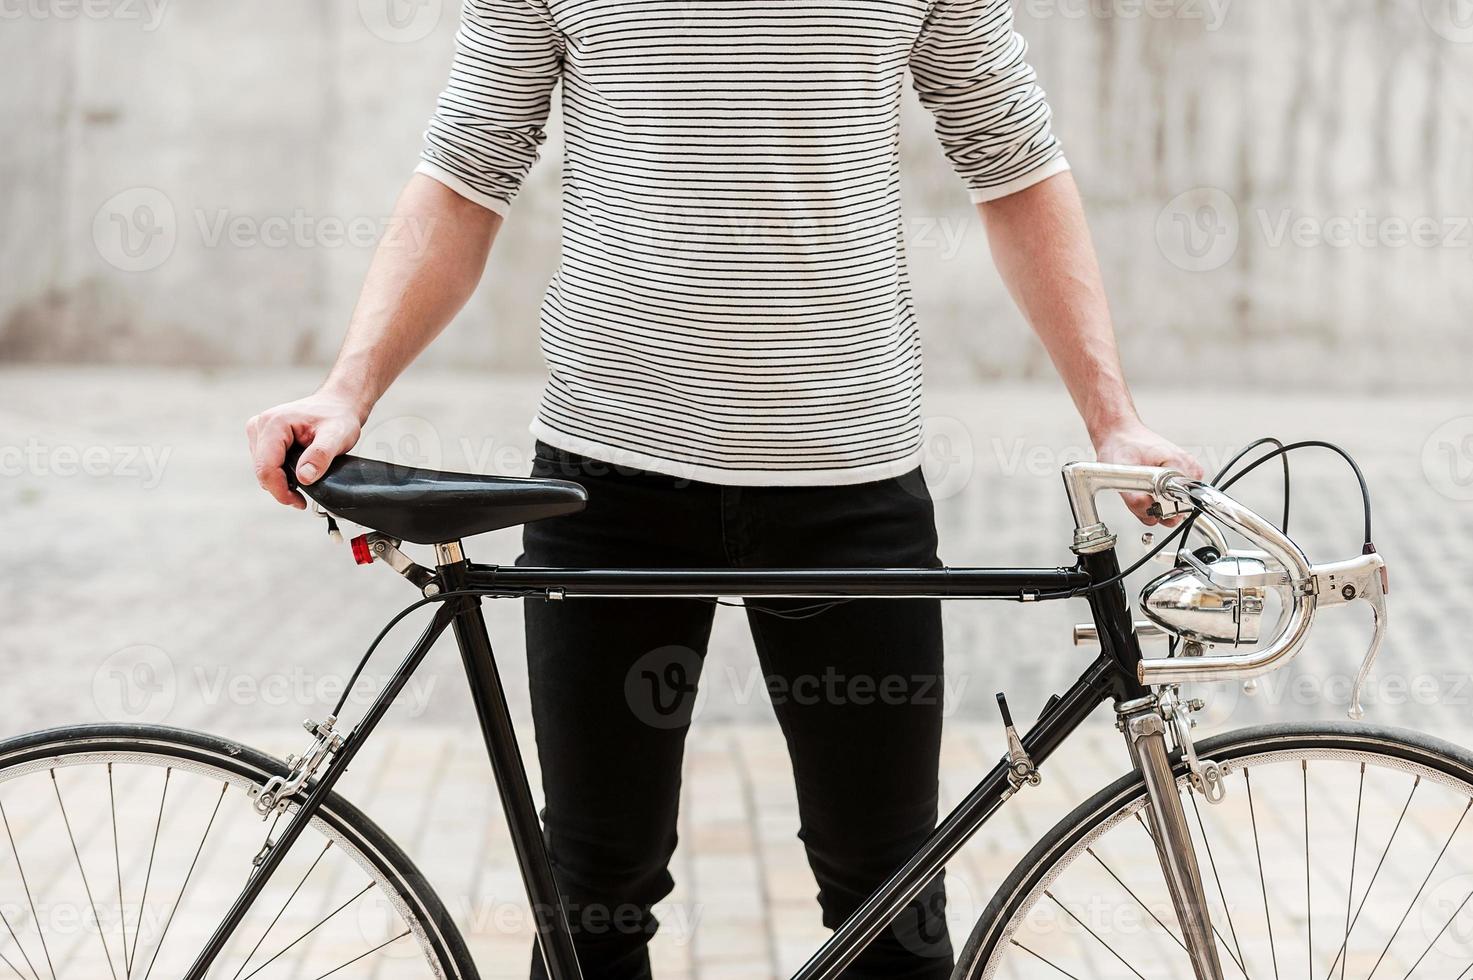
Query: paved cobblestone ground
[148, 580]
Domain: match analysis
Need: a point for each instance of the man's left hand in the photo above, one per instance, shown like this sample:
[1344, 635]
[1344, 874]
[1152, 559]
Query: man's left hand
[1136, 445]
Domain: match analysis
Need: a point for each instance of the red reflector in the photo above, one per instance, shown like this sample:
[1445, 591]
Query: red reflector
[361, 554]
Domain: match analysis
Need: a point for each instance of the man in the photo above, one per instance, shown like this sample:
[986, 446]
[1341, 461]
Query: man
[731, 327]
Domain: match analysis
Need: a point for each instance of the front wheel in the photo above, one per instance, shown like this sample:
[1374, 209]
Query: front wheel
[121, 847]
[1340, 851]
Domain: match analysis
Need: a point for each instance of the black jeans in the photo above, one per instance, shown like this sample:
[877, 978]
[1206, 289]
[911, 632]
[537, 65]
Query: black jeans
[856, 689]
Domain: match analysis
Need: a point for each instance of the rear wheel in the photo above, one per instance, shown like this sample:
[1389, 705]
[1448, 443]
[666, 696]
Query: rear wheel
[1339, 852]
[121, 847]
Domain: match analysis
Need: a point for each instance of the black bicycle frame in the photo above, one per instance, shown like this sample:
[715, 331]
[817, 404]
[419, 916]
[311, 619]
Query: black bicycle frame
[1111, 676]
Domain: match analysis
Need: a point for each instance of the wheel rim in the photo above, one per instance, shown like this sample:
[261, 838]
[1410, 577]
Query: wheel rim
[118, 864]
[1284, 901]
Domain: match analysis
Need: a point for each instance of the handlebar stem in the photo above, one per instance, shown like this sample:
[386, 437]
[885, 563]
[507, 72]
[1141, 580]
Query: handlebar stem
[1083, 481]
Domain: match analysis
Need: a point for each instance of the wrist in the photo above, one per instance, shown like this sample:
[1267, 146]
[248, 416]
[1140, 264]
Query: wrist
[355, 395]
[1106, 424]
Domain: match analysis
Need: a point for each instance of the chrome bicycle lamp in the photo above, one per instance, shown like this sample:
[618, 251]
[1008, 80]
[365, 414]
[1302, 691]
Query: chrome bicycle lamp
[1211, 600]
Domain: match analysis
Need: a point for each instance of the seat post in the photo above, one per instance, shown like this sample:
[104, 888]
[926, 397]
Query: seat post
[554, 938]
[449, 553]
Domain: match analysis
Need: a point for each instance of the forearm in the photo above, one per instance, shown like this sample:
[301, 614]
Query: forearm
[423, 272]
[1041, 246]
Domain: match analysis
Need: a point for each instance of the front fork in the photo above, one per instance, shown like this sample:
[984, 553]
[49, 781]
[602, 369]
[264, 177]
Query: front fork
[1145, 736]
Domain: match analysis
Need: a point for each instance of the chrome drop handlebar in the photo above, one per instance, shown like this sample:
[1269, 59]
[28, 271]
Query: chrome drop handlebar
[1303, 586]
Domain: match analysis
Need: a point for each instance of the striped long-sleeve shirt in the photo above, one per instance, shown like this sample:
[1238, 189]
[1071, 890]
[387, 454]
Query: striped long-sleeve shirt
[732, 303]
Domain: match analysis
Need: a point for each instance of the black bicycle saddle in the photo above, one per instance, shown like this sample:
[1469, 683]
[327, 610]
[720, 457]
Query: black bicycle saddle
[426, 506]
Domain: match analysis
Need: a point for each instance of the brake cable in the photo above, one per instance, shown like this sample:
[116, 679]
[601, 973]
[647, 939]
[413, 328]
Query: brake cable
[1365, 492]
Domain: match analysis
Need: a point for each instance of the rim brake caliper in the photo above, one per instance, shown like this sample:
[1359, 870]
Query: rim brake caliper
[1205, 776]
[278, 790]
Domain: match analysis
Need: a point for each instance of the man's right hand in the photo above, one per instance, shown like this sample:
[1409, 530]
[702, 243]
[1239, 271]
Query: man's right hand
[328, 425]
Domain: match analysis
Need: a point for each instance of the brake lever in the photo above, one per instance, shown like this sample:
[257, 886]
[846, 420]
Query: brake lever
[1357, 579]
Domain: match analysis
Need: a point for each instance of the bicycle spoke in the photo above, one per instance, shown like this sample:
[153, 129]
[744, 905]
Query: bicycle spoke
[66, 820]
[280, 912]
[1215, 931]
[6, 960]
[148, 875]
[1123, 961]
[112, 805]
[1263, 884]
[1136, 898]
[1345, 943]
[1308, 893]
[1043, 960]
[1354, 846]
[1445, 926]
[30, 899]
[320, 923]
[187, 876]
[1240, 959]
[1421, 888]
[363, 955]
[11, 929]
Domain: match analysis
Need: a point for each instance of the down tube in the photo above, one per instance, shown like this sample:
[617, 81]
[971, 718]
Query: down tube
[1060, 717]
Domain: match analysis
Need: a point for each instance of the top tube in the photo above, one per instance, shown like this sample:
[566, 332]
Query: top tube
[1015, 584]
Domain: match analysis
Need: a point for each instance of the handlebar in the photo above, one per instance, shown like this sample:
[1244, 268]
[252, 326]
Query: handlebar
[1303, 586]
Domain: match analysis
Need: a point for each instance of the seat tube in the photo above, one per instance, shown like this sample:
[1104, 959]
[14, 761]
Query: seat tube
[1145, 735]
[554, 938]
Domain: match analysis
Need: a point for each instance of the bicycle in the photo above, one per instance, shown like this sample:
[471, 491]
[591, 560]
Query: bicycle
[1211, 860]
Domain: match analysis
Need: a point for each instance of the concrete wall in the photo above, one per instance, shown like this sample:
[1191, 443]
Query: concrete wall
[1280, 188]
